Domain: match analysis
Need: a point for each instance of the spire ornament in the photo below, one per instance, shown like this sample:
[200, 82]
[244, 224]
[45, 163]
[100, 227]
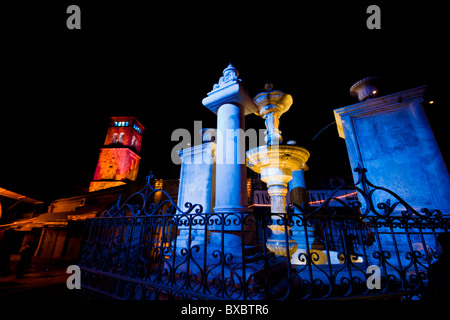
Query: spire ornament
[229, 77]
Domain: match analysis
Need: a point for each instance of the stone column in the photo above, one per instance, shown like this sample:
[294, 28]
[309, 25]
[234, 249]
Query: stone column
[231, 187]
[276, 178]
[231, 103]
[277, 195]
[277, 240]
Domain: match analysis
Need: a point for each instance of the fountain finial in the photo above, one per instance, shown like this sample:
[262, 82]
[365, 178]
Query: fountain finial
[271, 105]
[268, 86]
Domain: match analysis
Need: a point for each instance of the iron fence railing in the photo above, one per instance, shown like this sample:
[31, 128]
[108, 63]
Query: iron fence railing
[147, 249]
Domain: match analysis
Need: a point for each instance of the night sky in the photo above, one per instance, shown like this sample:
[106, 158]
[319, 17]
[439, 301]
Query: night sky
[158, 62]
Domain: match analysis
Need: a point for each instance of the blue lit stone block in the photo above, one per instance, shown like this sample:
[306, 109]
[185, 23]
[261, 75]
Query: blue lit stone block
[391, 137]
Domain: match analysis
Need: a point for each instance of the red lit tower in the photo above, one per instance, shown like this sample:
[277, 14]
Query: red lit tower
[119, 157]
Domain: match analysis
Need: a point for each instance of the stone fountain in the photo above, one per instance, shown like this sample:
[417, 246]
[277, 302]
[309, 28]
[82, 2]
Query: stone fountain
[276, 163]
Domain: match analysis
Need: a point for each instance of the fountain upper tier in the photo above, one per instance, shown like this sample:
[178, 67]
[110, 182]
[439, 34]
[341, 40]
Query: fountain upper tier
[271, 105]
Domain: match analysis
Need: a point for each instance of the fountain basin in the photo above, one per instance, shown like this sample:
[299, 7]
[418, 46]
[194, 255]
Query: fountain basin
[275, 163]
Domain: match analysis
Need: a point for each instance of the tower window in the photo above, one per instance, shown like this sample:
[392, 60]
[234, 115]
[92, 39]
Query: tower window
[115, 138]
[121, 137]
[135, 127]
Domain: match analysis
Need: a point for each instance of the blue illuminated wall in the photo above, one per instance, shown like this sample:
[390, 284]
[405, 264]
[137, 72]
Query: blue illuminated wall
[391, 137]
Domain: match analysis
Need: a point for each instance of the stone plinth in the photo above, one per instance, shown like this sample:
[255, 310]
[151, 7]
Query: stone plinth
[391, 137]
[197, 181]
[197, 176]
[297, 187]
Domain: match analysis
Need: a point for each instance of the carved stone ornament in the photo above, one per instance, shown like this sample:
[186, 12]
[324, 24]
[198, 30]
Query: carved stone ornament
[230, 76]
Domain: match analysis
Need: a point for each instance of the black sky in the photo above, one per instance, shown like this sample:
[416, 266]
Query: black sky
[157, 62]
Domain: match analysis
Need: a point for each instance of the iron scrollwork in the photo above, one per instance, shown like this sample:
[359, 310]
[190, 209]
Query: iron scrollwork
[366, 190]
[146, 248]
[142, 204]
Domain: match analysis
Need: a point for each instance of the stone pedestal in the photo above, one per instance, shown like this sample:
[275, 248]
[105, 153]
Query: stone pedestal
[197, 181]
[197, 176]
[297, 187]
[391, 137]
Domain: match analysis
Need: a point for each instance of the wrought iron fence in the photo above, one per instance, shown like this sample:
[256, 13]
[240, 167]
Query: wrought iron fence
[150, 249]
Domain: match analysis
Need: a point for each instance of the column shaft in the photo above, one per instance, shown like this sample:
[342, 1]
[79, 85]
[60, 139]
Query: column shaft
[231, 175]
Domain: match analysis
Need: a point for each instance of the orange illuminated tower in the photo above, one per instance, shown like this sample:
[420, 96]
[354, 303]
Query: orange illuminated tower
[119, 157]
